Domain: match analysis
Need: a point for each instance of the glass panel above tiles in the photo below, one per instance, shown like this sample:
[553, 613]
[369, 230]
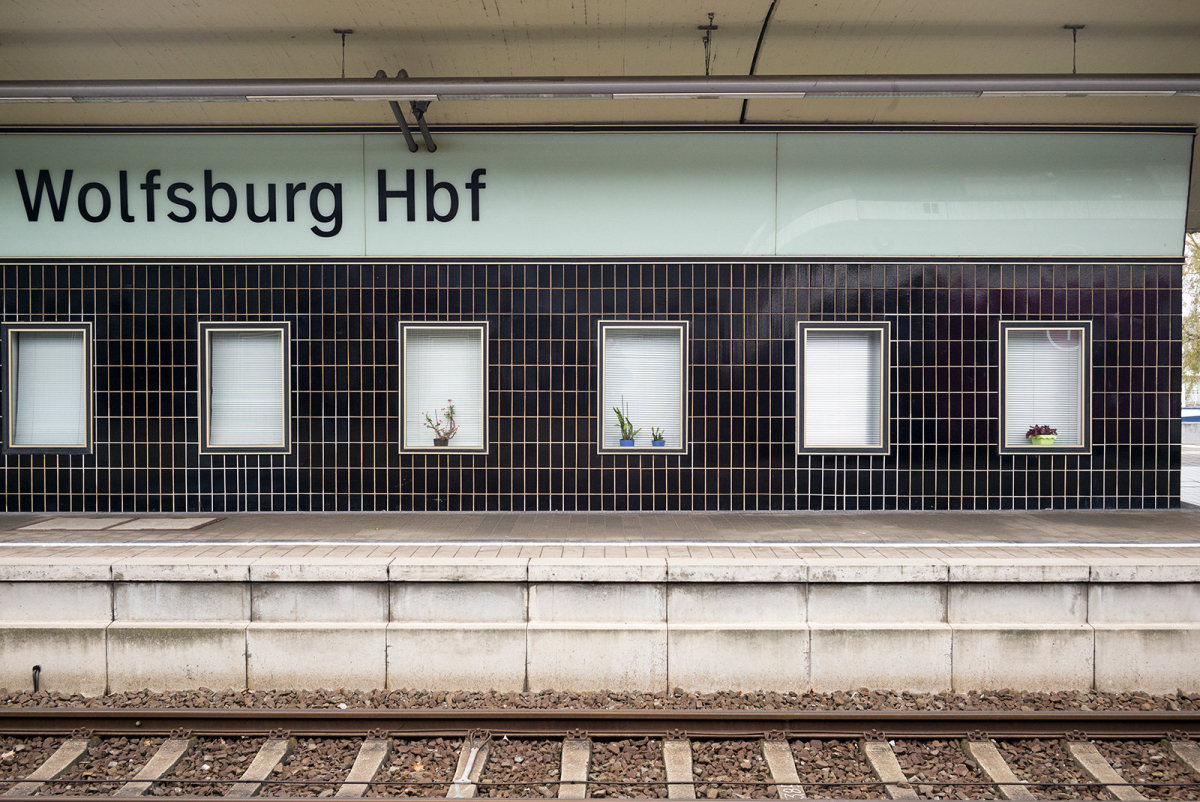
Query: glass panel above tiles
[443, 373]
[843, 370]
[48, 387]
[1046, 394]
[643, 387]
[245, 381]
[956, 193]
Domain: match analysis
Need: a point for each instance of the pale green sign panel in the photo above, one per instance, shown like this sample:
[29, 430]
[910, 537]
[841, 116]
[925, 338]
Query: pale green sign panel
[735, 195]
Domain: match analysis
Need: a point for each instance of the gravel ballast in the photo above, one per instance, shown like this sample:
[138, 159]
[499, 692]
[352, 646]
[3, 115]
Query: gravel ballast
[1147, 761]
[21, 756]
[522, 760]
[630, 759]
[929, 763]
[323, 762]
[209, 759]
[1038, 760]
[834, 761]
[553, 700]
[729, 761]
[425, 760]
[117, 759]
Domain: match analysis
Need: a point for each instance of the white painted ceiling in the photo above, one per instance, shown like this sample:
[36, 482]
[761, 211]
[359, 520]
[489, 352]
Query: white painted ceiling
[153, 39]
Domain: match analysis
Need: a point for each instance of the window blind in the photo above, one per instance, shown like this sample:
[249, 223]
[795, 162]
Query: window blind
[843, 379]
[643, 375]
[246, 384]
[50, 401]
[1043, 384]
[441, 365]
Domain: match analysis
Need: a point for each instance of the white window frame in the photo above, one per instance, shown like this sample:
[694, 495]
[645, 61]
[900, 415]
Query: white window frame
[481, 328]
[884, 330]
[1085, 386]
[207, 328]
[11, 383]
[682, 327]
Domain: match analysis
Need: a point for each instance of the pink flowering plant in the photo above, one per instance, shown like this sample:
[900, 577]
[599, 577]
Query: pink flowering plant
[1039, 431]
[443, 424]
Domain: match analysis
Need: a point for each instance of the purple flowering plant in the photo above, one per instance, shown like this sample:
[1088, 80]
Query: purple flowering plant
[443, 424]
[1036, 431]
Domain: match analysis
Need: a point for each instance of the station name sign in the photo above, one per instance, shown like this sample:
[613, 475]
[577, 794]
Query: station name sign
[738, 195]
[218, 201]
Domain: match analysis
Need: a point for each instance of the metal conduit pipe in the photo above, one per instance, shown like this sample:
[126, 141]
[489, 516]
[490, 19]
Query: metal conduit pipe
[741, 86]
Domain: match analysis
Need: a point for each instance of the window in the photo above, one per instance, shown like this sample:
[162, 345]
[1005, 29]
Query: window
[47, 388]
[842, 371]
[1045, 370]
[643, 372]
[443, 364]
[245, 379]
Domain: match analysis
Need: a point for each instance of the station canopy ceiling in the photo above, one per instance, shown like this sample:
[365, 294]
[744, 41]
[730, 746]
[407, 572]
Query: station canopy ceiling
[251, 39]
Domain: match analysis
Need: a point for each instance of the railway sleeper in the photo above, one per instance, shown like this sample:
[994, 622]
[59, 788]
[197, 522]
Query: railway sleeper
[886, 768]
[993, 765]
[371, 755]
[878, 754]
[1187, 753]
[782, 764]
[166, 758]
[66, 756]
[574, 766]
[471, 760]
[1088, 757]
[677, 758]
[273, 752]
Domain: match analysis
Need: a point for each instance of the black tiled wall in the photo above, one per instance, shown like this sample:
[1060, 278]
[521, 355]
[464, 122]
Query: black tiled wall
[945, 401]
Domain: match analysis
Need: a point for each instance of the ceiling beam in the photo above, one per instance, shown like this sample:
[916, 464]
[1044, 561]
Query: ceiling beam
[602, 87]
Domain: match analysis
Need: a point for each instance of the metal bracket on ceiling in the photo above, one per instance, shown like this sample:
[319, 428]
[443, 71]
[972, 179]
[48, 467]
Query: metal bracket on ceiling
[403, 123]
[419, 107]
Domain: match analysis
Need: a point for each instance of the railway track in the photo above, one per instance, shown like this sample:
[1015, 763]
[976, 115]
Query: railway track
[573, 754]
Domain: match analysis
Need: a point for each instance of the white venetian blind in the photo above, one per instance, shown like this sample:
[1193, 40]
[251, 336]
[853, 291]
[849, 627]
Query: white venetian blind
[440, 366]
[843, 378]
[643, 375]
[246, 388]
[50, 399]
[1043, 384]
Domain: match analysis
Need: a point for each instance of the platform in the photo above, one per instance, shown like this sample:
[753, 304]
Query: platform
[511, 601]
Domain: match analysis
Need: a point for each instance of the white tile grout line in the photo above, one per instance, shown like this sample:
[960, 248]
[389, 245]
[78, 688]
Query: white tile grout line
[899, 544]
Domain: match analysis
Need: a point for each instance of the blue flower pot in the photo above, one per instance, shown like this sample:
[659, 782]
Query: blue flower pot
[627, 442]
[658, 442]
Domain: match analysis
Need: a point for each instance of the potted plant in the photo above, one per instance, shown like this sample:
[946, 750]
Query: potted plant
[656, 437]
[628, 433]
[1042, 435]
[443, 425]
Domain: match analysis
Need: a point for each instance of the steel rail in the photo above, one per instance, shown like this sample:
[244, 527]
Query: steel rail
[600, 87]
[605, 723]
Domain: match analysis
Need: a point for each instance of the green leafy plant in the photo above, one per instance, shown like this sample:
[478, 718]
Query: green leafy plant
[656, 433]
[627, 430]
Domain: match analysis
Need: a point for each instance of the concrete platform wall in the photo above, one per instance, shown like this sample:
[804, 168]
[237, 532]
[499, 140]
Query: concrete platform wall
[592, 624]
